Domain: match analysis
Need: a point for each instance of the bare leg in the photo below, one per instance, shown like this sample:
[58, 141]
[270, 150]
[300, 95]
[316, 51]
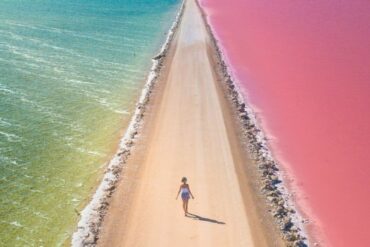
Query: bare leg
[184, 205]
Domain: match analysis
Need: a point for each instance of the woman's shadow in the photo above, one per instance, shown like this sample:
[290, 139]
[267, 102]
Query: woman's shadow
[197, 217]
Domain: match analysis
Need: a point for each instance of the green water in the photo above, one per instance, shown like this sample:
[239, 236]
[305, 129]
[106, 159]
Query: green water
[70, 75]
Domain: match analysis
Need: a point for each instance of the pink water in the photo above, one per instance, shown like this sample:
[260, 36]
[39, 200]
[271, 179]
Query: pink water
[305, 66]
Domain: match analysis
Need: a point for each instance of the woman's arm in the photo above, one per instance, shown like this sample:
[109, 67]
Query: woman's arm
[190, 192]
[178, 193]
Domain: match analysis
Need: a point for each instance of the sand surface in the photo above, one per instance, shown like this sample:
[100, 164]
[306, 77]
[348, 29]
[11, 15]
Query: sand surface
[188, 132]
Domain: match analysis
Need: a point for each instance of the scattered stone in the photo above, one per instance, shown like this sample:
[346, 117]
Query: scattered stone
[159, 56]
[129, 143]
[111, 188]
[287, 225]
[270, 198]
[292, 237]
[300, 243]
[89, 240]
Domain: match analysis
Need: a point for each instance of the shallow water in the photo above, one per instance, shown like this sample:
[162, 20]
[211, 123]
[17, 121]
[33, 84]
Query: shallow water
[304, 66]
[70, 76]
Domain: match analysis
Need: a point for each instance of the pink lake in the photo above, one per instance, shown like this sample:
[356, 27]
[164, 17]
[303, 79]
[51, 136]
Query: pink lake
[305, 67]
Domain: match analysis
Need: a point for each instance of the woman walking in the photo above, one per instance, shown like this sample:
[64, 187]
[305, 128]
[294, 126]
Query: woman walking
[185, 194]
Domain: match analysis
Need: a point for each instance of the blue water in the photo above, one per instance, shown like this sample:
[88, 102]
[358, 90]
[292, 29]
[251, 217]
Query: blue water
[70, 74]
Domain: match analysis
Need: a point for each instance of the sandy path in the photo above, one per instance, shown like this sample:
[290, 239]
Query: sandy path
[187, 136]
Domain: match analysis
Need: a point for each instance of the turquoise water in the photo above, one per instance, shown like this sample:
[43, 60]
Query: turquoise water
[70, 74]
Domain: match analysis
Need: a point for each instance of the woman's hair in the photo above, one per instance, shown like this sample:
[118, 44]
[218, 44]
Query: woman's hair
[184, 179]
